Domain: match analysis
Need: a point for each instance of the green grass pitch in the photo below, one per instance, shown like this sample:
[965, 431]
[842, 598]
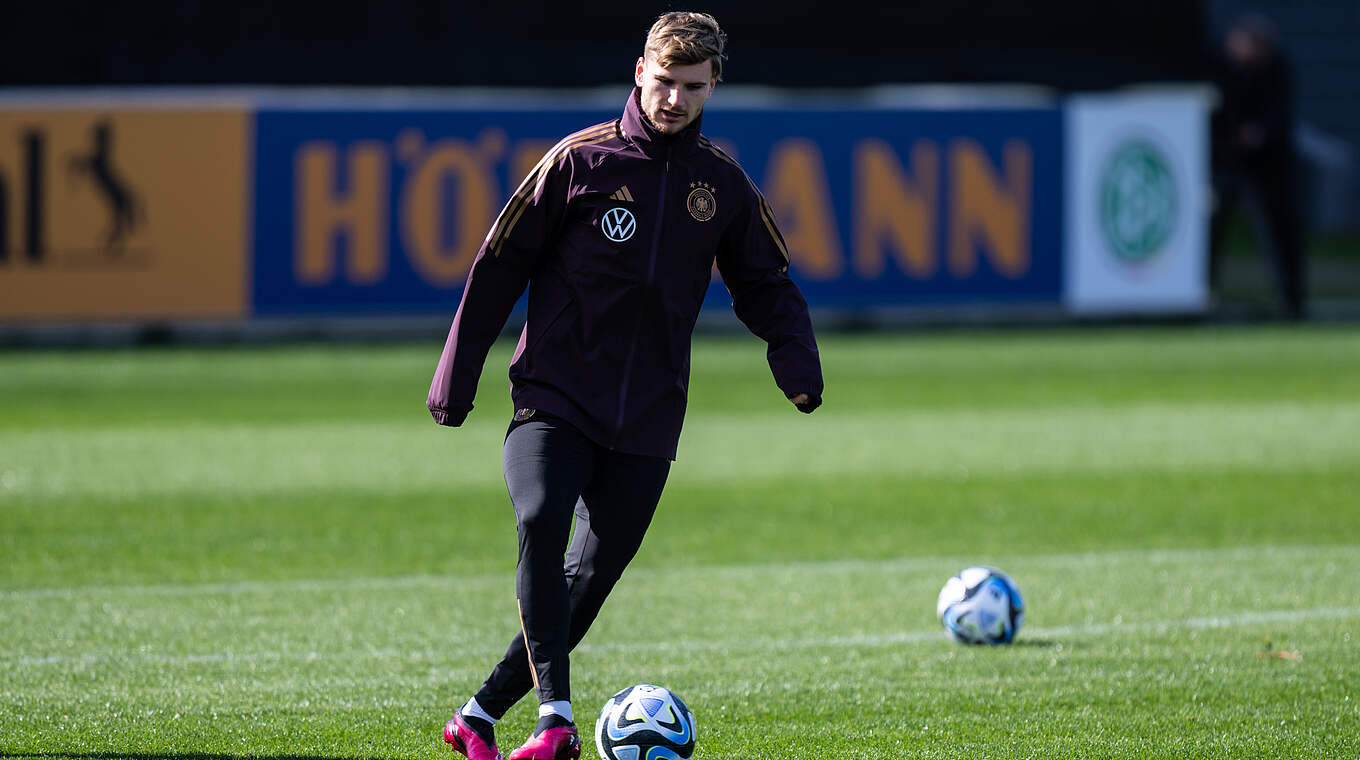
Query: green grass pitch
[208, 554]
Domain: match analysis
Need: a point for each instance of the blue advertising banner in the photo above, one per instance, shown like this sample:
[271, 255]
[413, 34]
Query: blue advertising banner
[382, 211]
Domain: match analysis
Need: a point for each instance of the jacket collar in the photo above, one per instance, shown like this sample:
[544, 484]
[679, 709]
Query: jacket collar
[637, 128]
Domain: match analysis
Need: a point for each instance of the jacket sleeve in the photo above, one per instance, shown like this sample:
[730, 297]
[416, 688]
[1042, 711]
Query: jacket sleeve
[754, 263]
[511, 253]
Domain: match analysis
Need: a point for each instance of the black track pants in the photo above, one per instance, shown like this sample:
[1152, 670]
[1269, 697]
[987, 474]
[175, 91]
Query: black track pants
[552, 472]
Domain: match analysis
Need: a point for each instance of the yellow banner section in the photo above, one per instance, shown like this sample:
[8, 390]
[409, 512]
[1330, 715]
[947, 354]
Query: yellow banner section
[135, 213]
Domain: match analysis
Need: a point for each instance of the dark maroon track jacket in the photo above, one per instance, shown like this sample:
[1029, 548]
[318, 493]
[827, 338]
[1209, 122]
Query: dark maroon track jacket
[615, 233]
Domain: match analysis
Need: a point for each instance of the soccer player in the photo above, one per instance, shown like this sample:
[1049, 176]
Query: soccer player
[615, 233]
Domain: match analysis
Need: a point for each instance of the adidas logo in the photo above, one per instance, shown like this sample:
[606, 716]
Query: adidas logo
[622, 195]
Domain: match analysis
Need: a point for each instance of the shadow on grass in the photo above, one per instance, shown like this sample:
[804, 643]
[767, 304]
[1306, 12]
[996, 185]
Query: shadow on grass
[1045, 643]
[172, 756]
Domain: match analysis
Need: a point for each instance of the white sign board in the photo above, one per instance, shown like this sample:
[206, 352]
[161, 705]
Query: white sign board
[1136, 207]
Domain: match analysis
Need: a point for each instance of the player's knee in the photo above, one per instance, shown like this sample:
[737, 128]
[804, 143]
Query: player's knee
[536, 516]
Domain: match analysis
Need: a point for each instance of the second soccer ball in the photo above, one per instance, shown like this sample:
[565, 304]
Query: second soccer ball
[981, 605]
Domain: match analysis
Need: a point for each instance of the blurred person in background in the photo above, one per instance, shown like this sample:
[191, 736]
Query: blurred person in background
[1253, 153]
[615, 234]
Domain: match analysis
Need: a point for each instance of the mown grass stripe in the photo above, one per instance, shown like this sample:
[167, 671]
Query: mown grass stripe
[711, 644]
[755, 570]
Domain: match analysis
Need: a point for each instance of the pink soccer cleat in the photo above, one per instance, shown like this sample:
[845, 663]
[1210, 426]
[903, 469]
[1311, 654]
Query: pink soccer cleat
[560, 743]
[465, 740]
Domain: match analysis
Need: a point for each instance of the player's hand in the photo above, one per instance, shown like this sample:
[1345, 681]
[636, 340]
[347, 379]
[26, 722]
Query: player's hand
[805, 402]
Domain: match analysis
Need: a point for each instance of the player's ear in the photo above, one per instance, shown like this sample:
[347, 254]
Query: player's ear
[637, 71]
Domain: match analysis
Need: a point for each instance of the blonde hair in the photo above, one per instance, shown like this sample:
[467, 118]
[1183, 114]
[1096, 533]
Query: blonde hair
[684, 38]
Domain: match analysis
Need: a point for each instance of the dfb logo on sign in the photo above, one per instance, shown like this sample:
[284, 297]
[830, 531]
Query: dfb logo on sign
[1138, 201]
[618, 224]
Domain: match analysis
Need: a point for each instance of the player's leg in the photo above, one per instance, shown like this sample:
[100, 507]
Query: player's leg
[611, 520]
[622, 500]
[547, 463]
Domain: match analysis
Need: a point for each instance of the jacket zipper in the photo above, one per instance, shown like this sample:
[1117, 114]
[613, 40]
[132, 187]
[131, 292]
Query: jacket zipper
[651, 275]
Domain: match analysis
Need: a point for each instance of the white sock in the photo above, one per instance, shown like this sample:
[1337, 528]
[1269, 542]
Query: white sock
[557, 707]
[475, 710]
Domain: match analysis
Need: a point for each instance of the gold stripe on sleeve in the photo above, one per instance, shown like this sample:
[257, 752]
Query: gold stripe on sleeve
[532, 183]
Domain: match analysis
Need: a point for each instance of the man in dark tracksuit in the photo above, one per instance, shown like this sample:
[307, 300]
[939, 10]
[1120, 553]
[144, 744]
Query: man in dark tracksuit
[1253, 154]
[615, 234]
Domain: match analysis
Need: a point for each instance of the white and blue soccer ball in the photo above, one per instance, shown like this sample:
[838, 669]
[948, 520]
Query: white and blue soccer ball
[981, 605]
[645, 722]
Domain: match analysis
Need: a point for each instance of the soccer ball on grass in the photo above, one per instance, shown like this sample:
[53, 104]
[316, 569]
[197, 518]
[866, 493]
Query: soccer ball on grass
[981, 605]
[645, 722]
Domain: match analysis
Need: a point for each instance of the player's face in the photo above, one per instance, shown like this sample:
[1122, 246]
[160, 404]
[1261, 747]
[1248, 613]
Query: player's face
[672, 97]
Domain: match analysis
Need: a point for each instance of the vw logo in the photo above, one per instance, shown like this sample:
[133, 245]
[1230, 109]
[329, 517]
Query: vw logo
[618, 224]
